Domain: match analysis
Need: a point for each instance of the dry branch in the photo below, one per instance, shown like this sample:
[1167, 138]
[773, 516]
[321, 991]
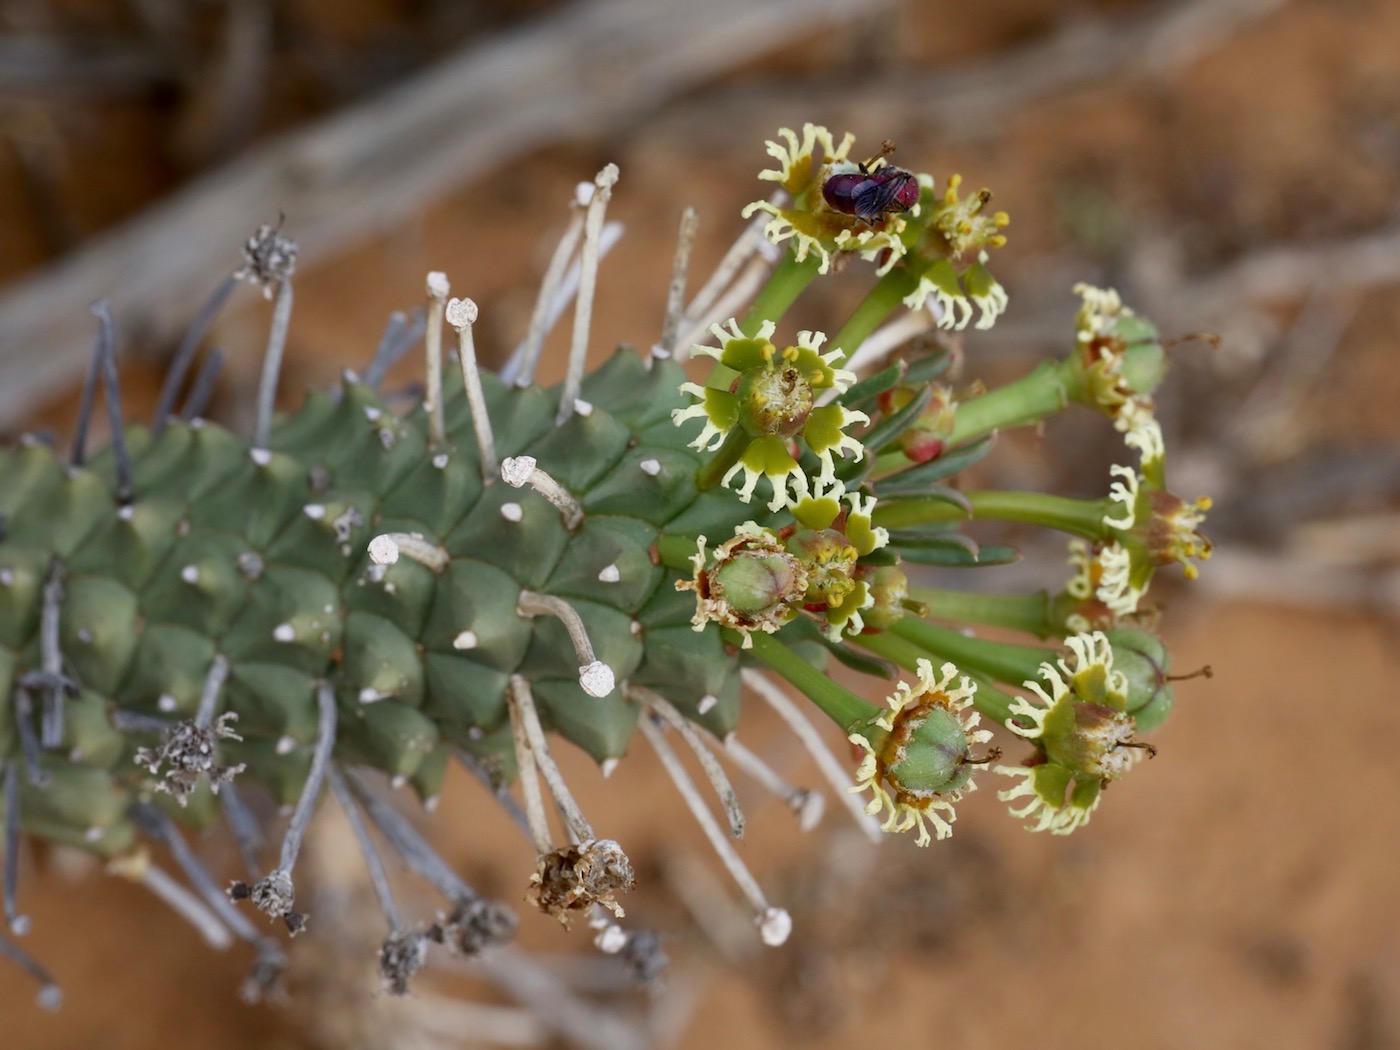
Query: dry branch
[350, 175]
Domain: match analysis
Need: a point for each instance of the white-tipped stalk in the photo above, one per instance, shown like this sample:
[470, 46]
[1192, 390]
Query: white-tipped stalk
[272, 361]
[744, 288]
[275, 893]
[209, 695]
[809, 806]
[519, 471]
[525, 719]
[18, 924]
[28, 738]
[831, 767]
[728, 799]
[51, 658]
[675, 294]
[461, 314]
[320, 760]
[774, 924]
[155, 823]
[437, 289]
[536, 819]
[527, 355]
[388, 547]
[378, 878]
[881, 343]
[587, 284]
[138, 868]
[247, 832]
[405, 840]
[563, 297]
[596, 677]
[739, 253]
[50, 996]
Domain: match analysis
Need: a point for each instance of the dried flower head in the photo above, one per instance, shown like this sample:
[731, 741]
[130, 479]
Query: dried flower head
[402, 955]
[269, 258]
[273, 895]
[474, 924]
[187, 754]
[574, 878]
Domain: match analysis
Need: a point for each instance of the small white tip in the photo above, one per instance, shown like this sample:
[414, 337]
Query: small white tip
[811, 807]
[583, 193]
[126, 513]
[466, 640]
[371, 695]
[440, 461]
[261, 456]
[651, 467]
[461, 312]
[20, 925]
[610, 574]
[611, 939]
[609, 766]
[582, 407]
[190, 574]
[437, 284]
[284, 632]
[93, 834]
[285, 745]
[512, 511]
[383, 550]
[707, 703]
[516, 470]
[596, 678]
[314, 511]
[167, 703]
[774, 926]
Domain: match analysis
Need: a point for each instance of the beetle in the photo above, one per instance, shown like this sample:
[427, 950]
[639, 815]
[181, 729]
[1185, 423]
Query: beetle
[870, 195]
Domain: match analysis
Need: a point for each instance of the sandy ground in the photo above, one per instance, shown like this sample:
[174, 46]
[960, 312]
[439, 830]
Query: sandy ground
[1230, 893]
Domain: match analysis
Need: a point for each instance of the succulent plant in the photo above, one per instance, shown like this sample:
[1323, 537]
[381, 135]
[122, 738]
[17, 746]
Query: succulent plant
[191, 616]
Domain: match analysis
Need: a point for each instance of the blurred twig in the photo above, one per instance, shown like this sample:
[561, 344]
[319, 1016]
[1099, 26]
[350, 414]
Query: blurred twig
[379, 161]
[977, 96]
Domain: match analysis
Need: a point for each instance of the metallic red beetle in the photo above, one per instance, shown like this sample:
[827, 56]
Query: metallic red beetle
[871, 195]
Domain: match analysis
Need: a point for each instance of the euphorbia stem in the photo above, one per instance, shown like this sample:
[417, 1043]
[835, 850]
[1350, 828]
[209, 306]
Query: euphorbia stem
[841, 705]
[1078, 517]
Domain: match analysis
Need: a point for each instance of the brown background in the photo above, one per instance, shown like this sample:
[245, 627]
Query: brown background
[1237, 891]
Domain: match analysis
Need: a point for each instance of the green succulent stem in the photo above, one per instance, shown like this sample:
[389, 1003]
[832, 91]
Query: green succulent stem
[1040, 393]
[712, 473]
[1029, 613]
[1078, 517]
[878, 304]
[841, 705]
[989, 700]
[787, 281]
[675, 552]
[1000, 661]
